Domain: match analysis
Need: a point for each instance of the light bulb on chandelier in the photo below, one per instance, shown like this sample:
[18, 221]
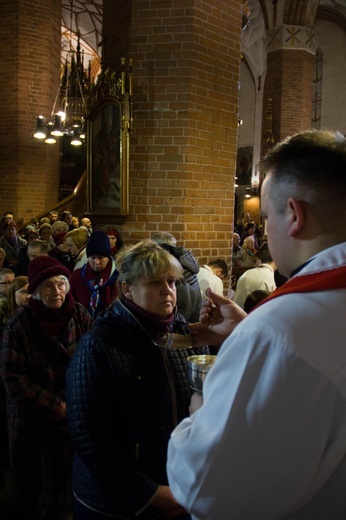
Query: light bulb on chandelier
[69, 108]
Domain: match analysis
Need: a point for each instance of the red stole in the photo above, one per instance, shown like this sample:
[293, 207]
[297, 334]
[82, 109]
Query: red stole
[323, 281]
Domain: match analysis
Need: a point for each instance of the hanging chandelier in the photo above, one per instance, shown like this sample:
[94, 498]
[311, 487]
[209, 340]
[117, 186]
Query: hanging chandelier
[69, 108]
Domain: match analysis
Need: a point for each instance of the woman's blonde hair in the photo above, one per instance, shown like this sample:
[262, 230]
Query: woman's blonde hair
[145, 260]
[79, 237]
[246, 241]
[18, 283]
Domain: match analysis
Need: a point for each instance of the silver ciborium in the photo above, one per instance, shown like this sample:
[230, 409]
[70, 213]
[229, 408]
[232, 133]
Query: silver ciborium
[198, 367]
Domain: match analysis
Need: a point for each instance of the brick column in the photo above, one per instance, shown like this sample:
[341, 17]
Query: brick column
[289, 80]
[30, 69]
[183, 151]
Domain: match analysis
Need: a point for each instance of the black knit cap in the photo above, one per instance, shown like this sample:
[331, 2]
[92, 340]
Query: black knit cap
[43, 267]
[98, 245]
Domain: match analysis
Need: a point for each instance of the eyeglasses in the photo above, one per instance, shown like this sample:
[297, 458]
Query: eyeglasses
[5, 283]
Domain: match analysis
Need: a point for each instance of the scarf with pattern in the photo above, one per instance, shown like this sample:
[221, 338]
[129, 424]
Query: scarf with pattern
[97, 282]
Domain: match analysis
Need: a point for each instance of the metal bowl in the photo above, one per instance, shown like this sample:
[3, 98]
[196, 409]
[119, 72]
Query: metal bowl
[198, 367]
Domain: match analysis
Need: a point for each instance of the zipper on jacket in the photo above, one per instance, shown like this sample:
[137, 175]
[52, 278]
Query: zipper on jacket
[171, 385]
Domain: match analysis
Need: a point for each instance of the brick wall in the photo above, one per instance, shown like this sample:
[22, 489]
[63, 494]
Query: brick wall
[183, 150]
[30, 68]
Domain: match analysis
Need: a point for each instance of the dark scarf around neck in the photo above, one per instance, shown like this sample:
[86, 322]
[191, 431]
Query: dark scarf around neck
[53, 321]
[154, 325]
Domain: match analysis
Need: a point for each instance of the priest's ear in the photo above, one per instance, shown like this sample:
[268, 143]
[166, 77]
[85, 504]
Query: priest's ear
[295, 216]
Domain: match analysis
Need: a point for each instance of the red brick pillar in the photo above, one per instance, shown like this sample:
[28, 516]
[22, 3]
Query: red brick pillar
[289, 80]
[30, 69]
[183, 151]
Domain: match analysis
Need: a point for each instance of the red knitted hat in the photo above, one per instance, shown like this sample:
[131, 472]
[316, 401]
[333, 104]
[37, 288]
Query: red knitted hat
[59, 237]
[113, 232]
[43, 267]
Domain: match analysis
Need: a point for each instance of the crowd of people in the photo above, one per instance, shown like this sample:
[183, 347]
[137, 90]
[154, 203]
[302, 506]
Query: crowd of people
[96, 406]
[247, 239]
[54, 280]
[258, 271]
[58, 281]
[62, 285]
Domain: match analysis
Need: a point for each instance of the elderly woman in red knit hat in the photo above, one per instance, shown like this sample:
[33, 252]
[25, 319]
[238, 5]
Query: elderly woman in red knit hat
[36, 349]
[94, 285]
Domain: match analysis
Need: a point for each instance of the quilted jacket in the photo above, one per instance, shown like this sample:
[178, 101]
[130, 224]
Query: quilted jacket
[124, 397]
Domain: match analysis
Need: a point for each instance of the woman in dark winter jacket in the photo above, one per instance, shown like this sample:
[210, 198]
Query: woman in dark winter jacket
[37, 346]
[127, 388]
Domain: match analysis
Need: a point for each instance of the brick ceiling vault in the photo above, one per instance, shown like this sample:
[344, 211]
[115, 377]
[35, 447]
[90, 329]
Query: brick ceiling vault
[299, 12]
[87, 15]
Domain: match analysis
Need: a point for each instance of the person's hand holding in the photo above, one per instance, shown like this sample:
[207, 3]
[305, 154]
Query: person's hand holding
[196, 402]
[164, 499]
[218, 317]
